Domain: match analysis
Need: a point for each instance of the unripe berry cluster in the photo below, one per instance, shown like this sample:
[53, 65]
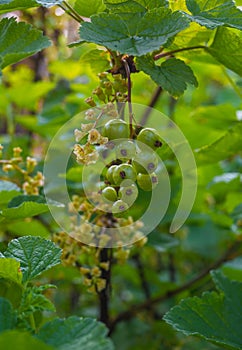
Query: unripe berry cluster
[135, 164]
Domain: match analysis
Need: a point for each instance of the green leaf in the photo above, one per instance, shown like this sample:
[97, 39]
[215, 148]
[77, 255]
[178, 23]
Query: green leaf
[10, 280]
[162, 242]
[88, 8]
[13, 5]
[10, 269]
[172, 75]
[33, 300]
[19, 40]
[134, 5]
[8, 190]
[226, 48]
[35, 254]
[26, 227]
[215, 13]
[134, 35]
[215, 316]
[21, 341]
[97, 59]
[75, 333]
[7, 316]
[224, 147]
[26, 206]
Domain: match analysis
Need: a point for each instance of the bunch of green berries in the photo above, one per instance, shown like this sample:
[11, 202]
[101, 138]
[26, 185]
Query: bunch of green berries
[134, 165]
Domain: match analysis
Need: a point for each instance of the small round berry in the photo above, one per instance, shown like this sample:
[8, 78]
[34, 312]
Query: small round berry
[147, 182]
[128, 194]
[145, 162]
[124, 172]
[125, 150]
[116, 129]
[150, 137]
[119, 206]
[109, 193]
[109, 174]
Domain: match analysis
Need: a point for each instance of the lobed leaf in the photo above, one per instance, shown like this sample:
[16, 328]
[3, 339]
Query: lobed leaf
[7, 316]
[8, 190]
[215, 316]
[28, 228]
[10, 269]
[35, 255]
[125, 6]
[21, 341]
[26, 206]
[215, 13]
[172, 75]
[226, 48]
[33, 300]
[75, 333]
[13, 5]
[19, 40]
[11, 280]
[134, 35]
[224, 147]
[89, 8]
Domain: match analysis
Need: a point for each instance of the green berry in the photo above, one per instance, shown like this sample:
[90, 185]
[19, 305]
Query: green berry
[145, 162]
[147, 182]
[109, 193]
[150, 137]
[109, 174]
[116, 129]
[125, 150]
[124, 172]
[119, 206]
[128, 193]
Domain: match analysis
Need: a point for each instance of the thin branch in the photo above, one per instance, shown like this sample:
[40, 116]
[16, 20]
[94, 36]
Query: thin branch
[141, 272]
[71, 9]
[104, 295]
[127, 70]
[170, 53]
[152, 103]
[71, 12]
[134, 309]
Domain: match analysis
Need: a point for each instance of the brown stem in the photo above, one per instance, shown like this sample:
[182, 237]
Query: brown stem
[170, 53]
[104, 295]
[141, 272]
[127, 70]
[171, 268]
[71, 12]
[134, 309]
[152, 103]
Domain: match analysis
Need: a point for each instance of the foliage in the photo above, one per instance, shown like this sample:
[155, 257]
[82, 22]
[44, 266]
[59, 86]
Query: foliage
[24, 259]
[214, 316]
[60, 58]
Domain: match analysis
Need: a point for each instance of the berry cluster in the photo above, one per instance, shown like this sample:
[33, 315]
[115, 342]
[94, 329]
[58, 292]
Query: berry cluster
[135, 164]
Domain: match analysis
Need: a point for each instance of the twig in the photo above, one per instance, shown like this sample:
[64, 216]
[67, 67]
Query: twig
[134, 309]
[104, 295]
[71, 12]
[127, 70]
[170, 53]
[141, 272]
[152, 103]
